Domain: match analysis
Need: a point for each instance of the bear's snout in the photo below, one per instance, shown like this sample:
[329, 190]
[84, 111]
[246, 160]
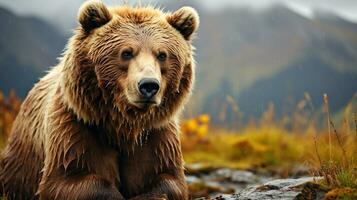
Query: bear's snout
[148, 87]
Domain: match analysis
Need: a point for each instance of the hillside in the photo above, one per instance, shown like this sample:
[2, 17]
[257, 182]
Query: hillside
[28, 46]
[266, 56]
[285, 89]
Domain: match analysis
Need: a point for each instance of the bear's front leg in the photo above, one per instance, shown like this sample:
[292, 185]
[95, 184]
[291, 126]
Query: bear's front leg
[79, 163]
[166, 187]
[82, 187]
[163, 153]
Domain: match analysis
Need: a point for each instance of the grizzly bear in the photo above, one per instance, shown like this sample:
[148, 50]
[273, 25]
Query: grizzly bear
[103, 123]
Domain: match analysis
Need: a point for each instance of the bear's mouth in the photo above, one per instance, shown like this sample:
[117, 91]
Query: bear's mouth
[149, 102]
[144, 104]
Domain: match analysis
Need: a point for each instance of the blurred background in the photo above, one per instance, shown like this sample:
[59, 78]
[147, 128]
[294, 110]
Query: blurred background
[263, 68]
[250, 55]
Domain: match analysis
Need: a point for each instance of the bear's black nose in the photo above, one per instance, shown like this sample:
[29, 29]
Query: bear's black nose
[148, 87]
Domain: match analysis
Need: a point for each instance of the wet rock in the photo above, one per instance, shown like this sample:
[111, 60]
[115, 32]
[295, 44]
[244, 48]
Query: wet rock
[281, 189]
[284, 189]
[201, 188]
[237, 176]
[220, 181]
[220, 197]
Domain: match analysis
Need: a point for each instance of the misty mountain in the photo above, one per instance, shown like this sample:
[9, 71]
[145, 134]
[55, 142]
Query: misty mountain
[310, 75]
[28, 46]
[273, 55]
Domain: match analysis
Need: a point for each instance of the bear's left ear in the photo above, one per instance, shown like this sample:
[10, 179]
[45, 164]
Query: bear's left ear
[185, 20]
[93, 14]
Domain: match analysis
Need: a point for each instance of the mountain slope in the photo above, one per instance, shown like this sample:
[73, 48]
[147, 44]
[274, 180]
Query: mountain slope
[28, 46]
[249, 44]
[309, 75]
[266, 56]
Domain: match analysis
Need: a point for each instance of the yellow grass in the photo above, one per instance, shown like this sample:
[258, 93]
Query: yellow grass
[250, 148]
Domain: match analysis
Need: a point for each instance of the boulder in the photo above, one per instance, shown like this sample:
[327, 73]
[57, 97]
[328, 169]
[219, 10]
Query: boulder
[280, 189]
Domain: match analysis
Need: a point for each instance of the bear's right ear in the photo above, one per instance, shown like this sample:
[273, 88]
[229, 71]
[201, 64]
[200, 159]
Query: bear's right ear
[93, 14]
[185, 20]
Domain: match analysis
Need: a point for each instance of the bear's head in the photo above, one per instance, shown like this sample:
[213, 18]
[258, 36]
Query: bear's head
[129, 63]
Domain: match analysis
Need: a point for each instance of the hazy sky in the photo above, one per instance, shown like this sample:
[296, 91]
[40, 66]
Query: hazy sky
[345, 8]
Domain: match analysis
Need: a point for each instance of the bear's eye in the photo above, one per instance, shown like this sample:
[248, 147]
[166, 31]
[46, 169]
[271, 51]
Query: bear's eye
[127, 55]
[162, 56]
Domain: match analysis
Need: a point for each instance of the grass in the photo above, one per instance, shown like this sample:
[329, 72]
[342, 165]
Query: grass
[339, 175]
[253, 147]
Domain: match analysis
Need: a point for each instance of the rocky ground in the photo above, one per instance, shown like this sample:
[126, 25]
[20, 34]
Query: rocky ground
[207, 183]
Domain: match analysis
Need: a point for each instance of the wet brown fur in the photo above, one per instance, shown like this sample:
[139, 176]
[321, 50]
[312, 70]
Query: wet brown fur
[78, 137]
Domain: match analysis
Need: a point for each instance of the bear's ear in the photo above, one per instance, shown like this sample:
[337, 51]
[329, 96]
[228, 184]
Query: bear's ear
[185, 20]
[93, 14]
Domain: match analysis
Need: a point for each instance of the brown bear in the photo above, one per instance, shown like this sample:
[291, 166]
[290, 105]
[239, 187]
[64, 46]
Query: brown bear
[103, 123]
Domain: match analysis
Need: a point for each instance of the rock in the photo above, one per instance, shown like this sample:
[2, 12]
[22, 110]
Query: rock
[199, 188]
[236, 176]
[209, 183]
[220, 197]
[281, 189]
[239, 177]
